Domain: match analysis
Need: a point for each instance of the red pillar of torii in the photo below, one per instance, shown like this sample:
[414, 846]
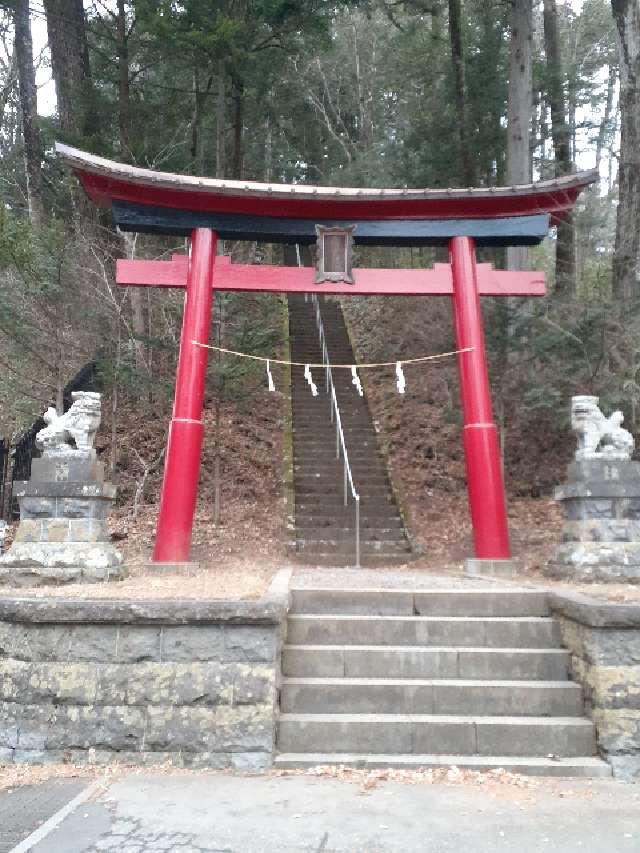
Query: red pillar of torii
[203, 208]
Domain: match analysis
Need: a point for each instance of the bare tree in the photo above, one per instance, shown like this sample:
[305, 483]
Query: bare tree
[66, 29]
[519, 110]
[29, 111]
[560, 133]
[221, 120]
[460, 89]
[626, 263]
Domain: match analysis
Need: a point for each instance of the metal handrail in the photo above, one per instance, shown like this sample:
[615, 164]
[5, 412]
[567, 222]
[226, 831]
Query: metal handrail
[335, 415]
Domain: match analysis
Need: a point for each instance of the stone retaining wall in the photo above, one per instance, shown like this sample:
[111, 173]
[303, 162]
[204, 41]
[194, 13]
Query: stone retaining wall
[604, 641]
[99, 681]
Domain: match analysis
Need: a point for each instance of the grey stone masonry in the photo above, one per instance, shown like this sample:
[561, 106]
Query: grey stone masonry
[603, 640]
[63, 535]
[601, 530]
[193, 683]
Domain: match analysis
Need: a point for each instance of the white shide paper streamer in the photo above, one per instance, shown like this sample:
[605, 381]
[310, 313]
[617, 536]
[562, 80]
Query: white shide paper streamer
[309, 378]
[355, 379]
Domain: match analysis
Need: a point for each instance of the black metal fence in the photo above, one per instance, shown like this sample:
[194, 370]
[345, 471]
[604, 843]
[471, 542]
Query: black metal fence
[15, 458]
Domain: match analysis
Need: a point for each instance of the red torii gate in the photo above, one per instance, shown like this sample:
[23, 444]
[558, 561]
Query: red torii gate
[164, 203]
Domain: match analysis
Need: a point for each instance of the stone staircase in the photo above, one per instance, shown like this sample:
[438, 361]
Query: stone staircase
[324, 527]
[393, 678]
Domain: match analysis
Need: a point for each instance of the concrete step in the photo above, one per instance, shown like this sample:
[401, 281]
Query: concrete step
[432, 734]
[513, 632]
[579, 768]
[424, 662]
[430, 696]
[403, 602]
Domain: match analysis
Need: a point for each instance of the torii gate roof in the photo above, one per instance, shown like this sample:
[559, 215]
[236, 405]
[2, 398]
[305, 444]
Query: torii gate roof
[168, 203]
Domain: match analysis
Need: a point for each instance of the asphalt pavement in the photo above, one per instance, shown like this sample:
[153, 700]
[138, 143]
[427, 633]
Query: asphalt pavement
[223, 813]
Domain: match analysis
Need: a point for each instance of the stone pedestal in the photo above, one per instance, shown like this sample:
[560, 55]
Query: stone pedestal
[601, 531]
[63, 535]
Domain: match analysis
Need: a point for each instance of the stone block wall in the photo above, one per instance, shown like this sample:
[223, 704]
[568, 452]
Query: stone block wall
[604, 642]
[141, 682]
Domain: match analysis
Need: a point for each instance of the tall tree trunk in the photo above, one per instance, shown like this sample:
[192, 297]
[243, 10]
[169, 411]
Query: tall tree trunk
[604, 131]
[66, 29]
[221, 103]
[29, 111]
[124, 100]
[460, 94]
[519, 110]
[565, 240]
[237, 167]
[7, 90]
[626, 260]
[197, 140]
[138, 323]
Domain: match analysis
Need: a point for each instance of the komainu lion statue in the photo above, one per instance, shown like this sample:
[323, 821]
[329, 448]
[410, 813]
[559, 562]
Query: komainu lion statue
[599, 437]
[78, 425]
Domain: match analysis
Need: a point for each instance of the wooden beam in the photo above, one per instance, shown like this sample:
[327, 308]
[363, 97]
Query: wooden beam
[368, 282]
[504, 231]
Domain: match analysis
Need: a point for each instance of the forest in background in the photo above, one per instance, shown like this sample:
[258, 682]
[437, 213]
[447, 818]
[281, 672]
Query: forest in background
[361, 92]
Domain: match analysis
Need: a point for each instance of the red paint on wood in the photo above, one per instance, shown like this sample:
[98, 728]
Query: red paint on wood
[182, 462]
[484, 471]
[557, 202]
[368, 282]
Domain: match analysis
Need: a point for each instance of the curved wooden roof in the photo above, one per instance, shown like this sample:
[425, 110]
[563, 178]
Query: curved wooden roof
[107, 181]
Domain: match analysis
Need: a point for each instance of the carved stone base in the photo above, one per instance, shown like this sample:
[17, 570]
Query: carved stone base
[492, 568]
[47, 574]
[63, 536]
[598, 562]
[601, 531]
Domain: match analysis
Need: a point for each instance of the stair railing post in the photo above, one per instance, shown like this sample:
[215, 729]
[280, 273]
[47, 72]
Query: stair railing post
[345, 482]
[357, 531]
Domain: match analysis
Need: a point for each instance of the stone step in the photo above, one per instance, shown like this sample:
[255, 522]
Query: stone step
[373, 533]
[430, 696]
[347, 561]
[324, 526]
[322, 516]
[333, 493]
[326, 455]
[403, 602]
[307, 520]
[513, 632]
[579, 768]
[361, 460]
[318, 511]
[354, 434]
[334, 489]
[332, 479]
[424, 662]
[347, 546]
[311, 441]
[432, 734]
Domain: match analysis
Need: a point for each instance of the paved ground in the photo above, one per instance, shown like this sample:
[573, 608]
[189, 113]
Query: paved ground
[218, 813]
[23, 809]
[324, 578]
